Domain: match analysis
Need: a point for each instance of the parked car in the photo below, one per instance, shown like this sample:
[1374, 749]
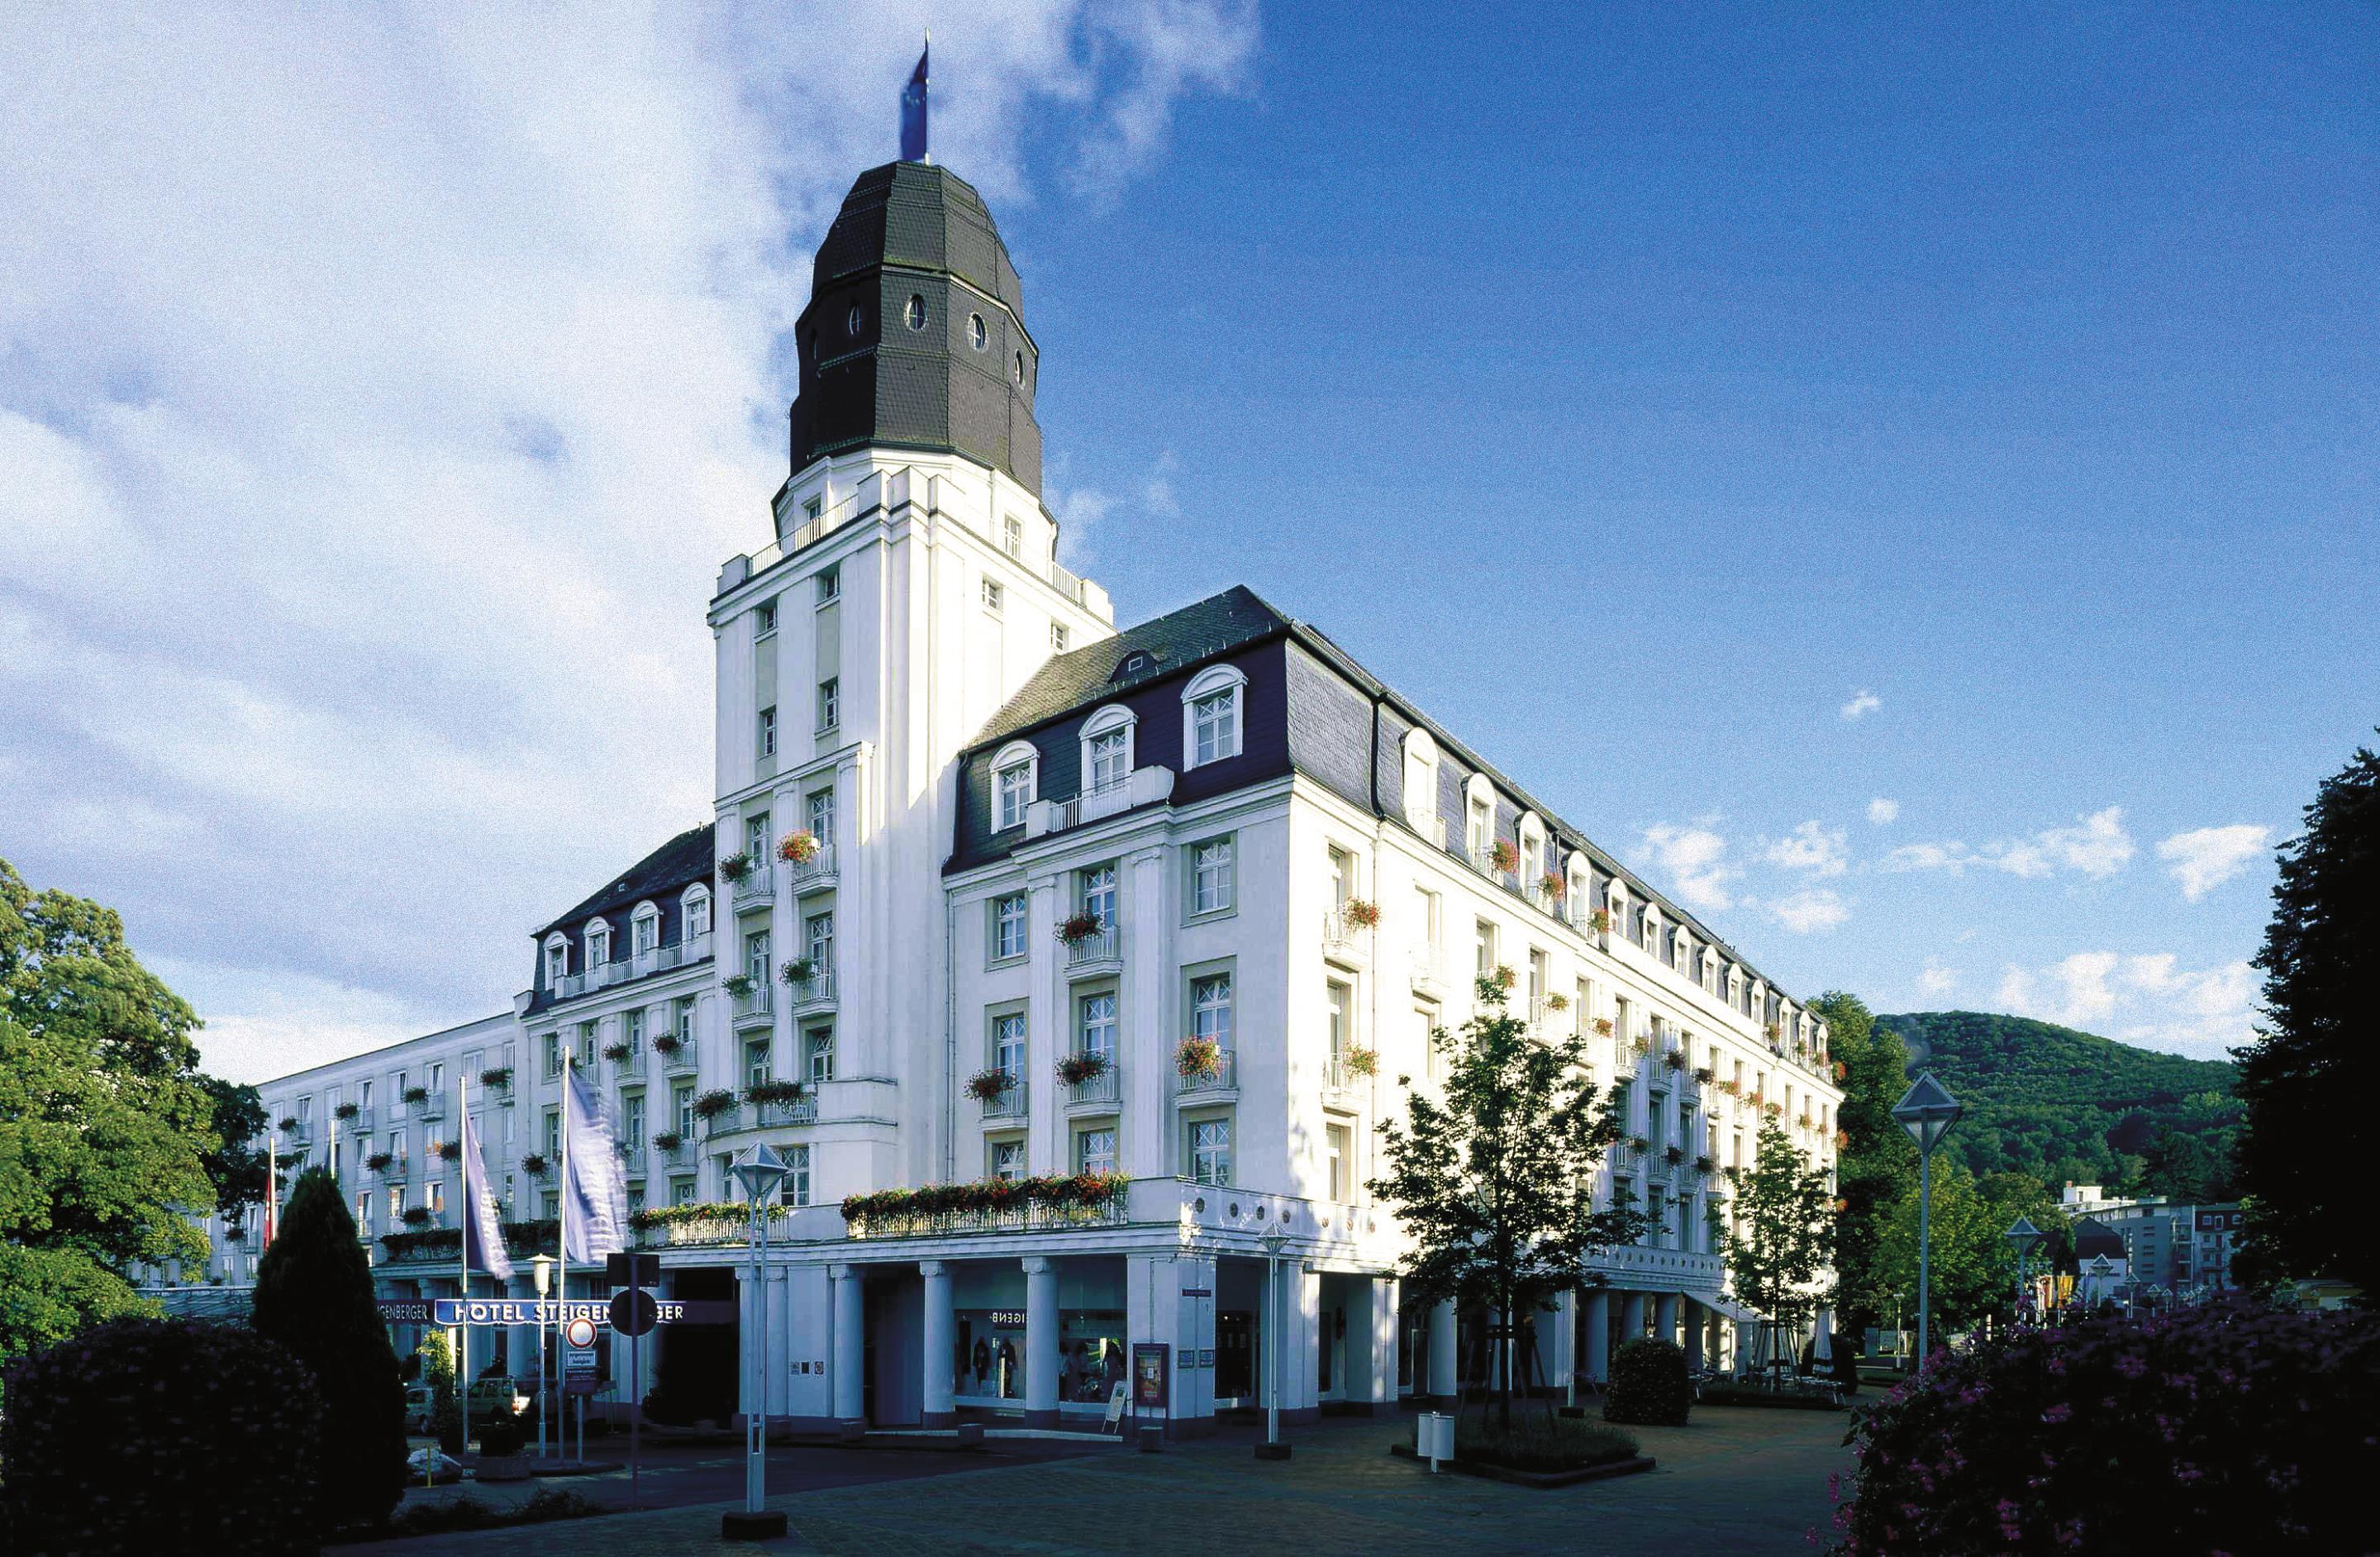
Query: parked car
[416, 1408]
[496, 1400]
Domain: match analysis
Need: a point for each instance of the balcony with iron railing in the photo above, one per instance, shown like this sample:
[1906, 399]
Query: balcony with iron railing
[814, 873]
[1222, 1077]
[1346, 1076]
[813, 994]
[789, 1111]
[1009, 1103]
[1099, 951]
[1142, 787]
[757, 884]
[1347, 931]
[627, 1060]
[1103, 1090]
[757, 1005]
[432, 1106]
[632, 1157]
[680, 1155]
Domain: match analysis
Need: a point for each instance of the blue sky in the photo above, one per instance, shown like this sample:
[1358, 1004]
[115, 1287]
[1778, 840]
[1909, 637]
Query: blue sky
[1904, 480]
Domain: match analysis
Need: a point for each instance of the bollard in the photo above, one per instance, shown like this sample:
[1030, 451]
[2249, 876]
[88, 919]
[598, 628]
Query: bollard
[1151, 1440]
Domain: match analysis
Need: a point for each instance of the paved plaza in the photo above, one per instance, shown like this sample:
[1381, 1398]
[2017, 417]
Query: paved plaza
[1735, 1480]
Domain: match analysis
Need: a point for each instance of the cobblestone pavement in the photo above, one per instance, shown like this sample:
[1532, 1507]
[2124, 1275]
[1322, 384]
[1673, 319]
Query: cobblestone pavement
[1735, 1481]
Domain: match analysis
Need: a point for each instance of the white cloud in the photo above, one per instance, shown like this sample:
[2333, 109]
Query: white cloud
[1936, 979]
[1695, 858]
[1882, 811]
[383, 394]
[2096, 846]
[2147, 999]
[2205, 860]
[1812, 847]
[1863, 702]
[1806, 913]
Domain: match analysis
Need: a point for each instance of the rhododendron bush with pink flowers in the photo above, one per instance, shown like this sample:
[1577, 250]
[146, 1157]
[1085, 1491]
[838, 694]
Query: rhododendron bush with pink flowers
[2232, 1428]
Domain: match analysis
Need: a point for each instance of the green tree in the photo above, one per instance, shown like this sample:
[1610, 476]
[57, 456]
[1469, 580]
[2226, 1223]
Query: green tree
[1973, 1266]
[1878, 1162]
[314, 1296]
[104, 1124]
[2302, 1154]
[1784, 1229]
[1495, 1180]
[437, 1359]
[234, 1165]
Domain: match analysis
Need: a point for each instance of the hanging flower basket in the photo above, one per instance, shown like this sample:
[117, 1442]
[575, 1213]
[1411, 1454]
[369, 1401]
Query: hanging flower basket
[416, 1094]
[1361, 914]
[1730, 1087]
[986, 1086]
[1674, 1059]
[1703, 1165]
[1600, 921]
[1771, 1031]
[1083, 1064]
[1774, 1111]
[736, 866]
[1557, 886]
[775, 1092]
[1503, 857]
[1703, 1075]
[417, 1216]
[739, 985]
[450, 1152]
[800, 971]
[1198, 1059]
[1603, 1027]
[346, 1110]
[800, 847]
[1673, 1156]
[1842, 1071]
[1503, 977]
[668, 1044]
[496, 1076]
[713, 1104]
[534, 1164]
[1842, 1140]
[289, 1123]
[1362, 1061]
[669, 1141]
[379, 1161]
[1075, 928]
[1638, 1143]
[618, 1053]
[1557, 1003]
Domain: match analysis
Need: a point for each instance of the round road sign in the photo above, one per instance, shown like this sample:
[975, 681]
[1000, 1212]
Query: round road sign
[579, 1332]
[636, 1318]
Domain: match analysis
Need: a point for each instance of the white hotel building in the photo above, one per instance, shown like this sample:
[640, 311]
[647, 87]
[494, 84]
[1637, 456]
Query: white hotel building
[906, 674]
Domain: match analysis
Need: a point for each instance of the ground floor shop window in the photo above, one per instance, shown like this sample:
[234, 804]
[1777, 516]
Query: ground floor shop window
[990, 1346]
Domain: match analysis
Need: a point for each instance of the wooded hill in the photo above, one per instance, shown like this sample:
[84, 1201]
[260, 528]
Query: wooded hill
[2061, 1104]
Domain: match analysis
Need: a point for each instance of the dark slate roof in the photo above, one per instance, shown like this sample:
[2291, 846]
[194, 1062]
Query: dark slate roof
[2093, 1237]
[1238, 617]
[678, 864]
[1199, 631]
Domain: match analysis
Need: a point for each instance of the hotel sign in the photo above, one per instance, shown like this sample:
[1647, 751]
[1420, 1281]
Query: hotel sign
[545, 1310]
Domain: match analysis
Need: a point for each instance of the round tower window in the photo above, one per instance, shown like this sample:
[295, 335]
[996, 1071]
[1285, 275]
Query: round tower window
[975, 331]
[854, 318]
[1020, 369]
[916, 311]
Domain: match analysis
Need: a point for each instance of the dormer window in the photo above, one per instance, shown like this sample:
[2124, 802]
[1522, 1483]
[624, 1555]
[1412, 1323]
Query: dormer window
[696, 907]
[1133, 665]
[557, 962]
[1014, 772]
[1210, 715]
[599, 944]
[1107, 749]
[645, 930]
[1012, 536]
[1421, 780]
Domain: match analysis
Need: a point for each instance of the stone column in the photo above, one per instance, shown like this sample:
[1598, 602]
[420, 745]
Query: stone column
[850, 1344]
[1631, 1316]
[1041, 1340]
[1377, 1354]
[1557, 1346]
[938, 1409]
[1665, 1316]
[1301, 1395]
[1048, 1020]
[1144, 1043]
[1443, 1376]
[1690, 1328]
[776, 1389]
[1598, 1335]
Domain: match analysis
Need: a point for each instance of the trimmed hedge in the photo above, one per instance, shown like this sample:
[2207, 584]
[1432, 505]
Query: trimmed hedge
[2229, 1428]
[142, 1435]
[1536, 1443]
[1649, 1385]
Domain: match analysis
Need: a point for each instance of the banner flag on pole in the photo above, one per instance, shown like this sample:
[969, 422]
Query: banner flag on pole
[595, 1187]
[913, 110]
[271, 1193]
[483, 1235]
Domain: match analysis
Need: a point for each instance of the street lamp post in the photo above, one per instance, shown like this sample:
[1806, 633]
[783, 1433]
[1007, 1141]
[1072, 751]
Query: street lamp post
[2024, 1236]
[541, 1274]
[761, 1171]
[1272, 1448]
[1926, 1110]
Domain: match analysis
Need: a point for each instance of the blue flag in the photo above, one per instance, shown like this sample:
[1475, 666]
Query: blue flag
[913, 112]
[596, 1213]
[483, 1233]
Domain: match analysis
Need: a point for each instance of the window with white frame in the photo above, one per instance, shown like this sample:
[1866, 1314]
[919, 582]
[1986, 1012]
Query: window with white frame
[820, 805]
[553, 1053]
[1211, 1008]
[830, 585]
[1008, 926]
[682, 1191]
[756, 958]
[1421, 780]
[1096, 887]
[599, 944]
[1107, 749]
[1483, 942]
[993, 597]
[1339, 1152]
[1058, 638]
[682, 1109]
[1211, 715]
[796, 1188]
[829, 704]
[1095, 1150]
[1210, 1152]
[1426, 921]
[1096, 1024]
[1008, 1160]
[818, 1052]
[764, 741]
[1008, 1044]
[557, 962]
[682, 1020]
[696, 906]
[1014, 774]
[645, 930]
[1343, 876]
[1479, 827]
[1339, 1003]
[756, 839]
[1212, 883]
[764, 619]
[1012, 536]
[817, 939]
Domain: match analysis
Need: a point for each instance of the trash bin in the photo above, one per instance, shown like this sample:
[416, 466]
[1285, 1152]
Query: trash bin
[1433, 1438]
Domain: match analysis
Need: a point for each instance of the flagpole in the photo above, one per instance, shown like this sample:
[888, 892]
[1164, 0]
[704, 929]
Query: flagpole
[466, 1215]
[562, 1236]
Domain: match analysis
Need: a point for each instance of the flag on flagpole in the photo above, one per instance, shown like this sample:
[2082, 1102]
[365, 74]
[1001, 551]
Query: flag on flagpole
[913, 110]
[595, 1187]
[483, 1233]
[271, 1195]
